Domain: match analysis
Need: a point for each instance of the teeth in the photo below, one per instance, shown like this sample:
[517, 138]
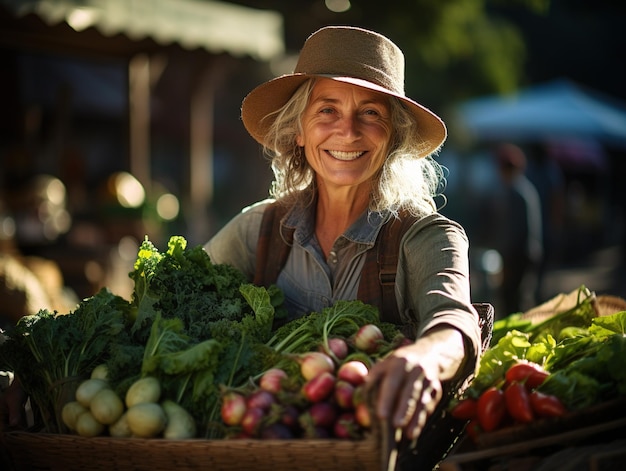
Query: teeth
[345, 155]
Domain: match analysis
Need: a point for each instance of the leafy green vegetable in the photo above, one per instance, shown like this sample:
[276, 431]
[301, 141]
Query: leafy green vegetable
[184, 284]
[342, 319]
[48, 351]
[557, 326]
[590, 368]
[585, 358]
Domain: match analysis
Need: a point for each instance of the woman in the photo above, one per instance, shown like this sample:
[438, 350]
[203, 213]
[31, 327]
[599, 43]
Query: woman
[351, 155]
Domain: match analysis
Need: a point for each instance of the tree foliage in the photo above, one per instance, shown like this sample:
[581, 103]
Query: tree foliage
[454, 48]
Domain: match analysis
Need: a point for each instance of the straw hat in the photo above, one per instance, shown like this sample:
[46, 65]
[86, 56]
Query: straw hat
[347, 54]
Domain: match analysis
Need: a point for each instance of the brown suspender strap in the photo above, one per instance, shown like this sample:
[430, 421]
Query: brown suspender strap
[272, 249]
[378, 277]
[377, 285]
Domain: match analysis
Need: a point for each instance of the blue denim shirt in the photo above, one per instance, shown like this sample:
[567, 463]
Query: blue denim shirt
[432, 281]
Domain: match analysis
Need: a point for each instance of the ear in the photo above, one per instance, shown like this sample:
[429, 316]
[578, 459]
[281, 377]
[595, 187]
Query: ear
[299, 140]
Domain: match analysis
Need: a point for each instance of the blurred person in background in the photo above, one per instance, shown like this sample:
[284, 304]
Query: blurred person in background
[514, 223]
[546, 175]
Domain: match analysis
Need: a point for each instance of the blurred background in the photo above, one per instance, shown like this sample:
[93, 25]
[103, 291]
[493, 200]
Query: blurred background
[120, 120]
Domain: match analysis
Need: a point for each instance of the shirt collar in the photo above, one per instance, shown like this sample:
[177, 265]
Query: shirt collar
[363, 231]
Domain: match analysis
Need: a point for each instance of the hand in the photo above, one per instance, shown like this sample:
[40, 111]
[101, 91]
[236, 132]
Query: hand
[12, 401]
[408, 382]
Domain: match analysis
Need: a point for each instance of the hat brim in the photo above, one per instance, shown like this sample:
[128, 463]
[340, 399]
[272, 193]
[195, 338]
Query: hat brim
[272, 95]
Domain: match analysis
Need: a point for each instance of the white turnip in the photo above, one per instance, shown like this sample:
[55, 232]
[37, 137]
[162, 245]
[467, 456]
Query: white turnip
[180, 424]
[146, 419]
[88, 389]
[70, 413]
[88, 426]
[106, 406]
[147, 389]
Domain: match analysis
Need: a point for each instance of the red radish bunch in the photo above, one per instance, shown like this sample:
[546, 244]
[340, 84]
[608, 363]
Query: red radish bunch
[328, 402]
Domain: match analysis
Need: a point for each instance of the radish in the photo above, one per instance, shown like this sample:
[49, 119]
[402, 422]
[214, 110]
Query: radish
[368, 338]
[323, 414]
[276, 432]
[314, 363]
[272, 380]
[362, 415]
[233, 408]
[345, 426]
[344, 394]
[353, 371]
[289, 416]
[319, 388]
[260, 398]
[315, 433]
[251, 421]
[336, 347]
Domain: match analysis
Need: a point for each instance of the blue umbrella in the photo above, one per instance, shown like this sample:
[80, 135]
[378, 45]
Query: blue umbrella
[555, 110]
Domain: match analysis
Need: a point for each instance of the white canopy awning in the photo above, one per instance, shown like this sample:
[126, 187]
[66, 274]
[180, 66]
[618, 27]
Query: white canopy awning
[211, 25]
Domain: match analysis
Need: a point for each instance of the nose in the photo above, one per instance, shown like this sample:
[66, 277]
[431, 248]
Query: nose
[348, 126]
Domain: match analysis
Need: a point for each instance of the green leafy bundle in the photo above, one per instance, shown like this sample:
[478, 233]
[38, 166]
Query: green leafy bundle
[197, 326]
[50, 352]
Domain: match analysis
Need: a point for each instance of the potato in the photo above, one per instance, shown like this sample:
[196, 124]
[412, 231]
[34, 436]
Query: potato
[70, 413]
[146, 419]
[88, 426]
[106, 406]
[146, 389]
[120, 429]
[88, 389]
[100, 372]
[180, 423]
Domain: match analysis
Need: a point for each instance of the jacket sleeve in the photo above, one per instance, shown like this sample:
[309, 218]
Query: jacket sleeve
[235, 244]
[433, 280]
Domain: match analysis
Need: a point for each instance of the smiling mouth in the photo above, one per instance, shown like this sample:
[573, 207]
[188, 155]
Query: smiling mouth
[340, 155]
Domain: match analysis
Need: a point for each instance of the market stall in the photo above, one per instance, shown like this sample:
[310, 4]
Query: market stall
[586, 373]
[192, 372]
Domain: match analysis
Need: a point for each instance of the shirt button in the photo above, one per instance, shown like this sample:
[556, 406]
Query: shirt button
[332, 257]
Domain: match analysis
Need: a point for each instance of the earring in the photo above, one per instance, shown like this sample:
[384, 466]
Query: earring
[298, 157]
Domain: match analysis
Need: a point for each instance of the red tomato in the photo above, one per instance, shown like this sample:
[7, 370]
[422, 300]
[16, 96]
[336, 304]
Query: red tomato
[473, 429]
[529, 373]
[464, 409]
[491, 409]
[518, 403]
[546, 405]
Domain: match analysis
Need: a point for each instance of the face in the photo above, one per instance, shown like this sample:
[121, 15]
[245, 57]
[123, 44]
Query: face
[345, 133]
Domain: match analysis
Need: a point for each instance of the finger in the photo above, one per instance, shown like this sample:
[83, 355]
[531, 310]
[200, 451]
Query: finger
[388, 395]
[409, 399]
[430, 397]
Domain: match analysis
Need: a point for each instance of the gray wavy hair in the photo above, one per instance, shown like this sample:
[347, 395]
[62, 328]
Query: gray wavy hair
[406, 181]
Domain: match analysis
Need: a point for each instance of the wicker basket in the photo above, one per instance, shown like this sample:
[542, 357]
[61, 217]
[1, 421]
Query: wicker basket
[41, 451]
[604, 305]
